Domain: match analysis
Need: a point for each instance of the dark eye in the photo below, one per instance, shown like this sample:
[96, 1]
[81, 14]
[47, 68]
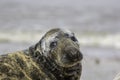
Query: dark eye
[53, 44]
[73, 38]
[66, 35]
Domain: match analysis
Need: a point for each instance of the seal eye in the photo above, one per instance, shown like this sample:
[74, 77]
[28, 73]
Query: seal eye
[73, 39]
[53, 44]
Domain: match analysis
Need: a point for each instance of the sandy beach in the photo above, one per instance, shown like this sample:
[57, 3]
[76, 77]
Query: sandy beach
[98, 67]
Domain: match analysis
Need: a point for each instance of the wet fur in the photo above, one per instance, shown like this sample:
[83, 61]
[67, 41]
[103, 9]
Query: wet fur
[31, 64]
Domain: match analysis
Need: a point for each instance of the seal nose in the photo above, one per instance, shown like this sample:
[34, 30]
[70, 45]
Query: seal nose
[73, 54]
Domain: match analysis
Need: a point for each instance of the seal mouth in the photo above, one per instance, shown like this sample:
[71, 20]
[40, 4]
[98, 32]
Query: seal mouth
[69, 63]
[71, 57]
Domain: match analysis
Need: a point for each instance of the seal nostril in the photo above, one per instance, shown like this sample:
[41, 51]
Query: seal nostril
[73, 54]
[78, 55]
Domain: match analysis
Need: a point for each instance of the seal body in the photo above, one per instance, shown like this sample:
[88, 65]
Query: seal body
[55, 57]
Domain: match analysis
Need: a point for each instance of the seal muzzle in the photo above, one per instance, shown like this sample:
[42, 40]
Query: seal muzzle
[73, 54]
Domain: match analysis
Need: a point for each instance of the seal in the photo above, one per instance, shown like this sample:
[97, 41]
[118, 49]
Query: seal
[55, 57]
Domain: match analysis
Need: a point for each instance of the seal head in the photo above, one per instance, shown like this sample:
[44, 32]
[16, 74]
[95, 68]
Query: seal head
[58, 53]
[62, 46]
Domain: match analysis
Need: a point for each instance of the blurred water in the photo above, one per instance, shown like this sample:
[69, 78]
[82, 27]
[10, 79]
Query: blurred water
[94, 16]
[80, 15]
[95, 22]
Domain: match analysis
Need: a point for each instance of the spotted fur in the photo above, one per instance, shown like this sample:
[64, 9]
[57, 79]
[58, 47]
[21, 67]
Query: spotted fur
[55, 57]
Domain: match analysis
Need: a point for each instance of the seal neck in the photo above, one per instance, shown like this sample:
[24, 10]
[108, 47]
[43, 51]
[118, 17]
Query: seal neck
[49, 65]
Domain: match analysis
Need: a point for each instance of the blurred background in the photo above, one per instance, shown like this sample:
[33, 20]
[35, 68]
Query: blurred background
[96, 24]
